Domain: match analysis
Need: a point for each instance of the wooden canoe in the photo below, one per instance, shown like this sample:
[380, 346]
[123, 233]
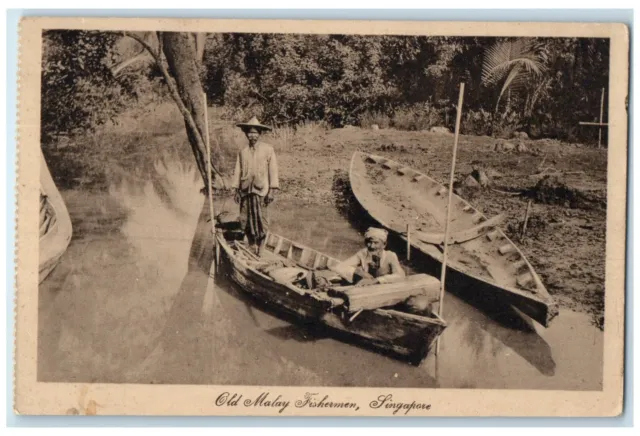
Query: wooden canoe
[55, 224]
[481, 257]
[395, 331]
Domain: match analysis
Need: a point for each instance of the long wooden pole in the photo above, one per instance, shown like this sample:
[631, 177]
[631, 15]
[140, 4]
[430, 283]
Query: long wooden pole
[601, 115]
[210, 185]
[446, 224]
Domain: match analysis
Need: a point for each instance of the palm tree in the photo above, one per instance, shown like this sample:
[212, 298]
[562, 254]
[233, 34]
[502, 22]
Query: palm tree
[513, 64]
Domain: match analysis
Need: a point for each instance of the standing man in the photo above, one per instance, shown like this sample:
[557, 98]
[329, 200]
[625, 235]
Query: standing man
[255, 181]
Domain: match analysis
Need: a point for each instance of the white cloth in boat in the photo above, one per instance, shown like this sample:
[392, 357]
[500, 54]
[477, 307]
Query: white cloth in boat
[287, 275]
[386, 270]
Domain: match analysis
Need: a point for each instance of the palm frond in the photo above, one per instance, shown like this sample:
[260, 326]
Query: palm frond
[513, 74]
[499, 72]
[502, 57]
[513, 64]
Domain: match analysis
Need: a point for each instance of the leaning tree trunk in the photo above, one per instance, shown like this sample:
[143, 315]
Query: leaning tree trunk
[182, 57]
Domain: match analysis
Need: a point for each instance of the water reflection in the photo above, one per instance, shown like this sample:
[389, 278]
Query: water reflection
[133, 301]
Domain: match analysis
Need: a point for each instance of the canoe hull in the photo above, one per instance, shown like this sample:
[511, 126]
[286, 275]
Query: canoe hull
[535, 301]
[483, 295]
[55, 241]
[386, 331]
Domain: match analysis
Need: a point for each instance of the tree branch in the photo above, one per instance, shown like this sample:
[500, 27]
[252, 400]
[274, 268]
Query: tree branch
[124, 64]
[174, 92]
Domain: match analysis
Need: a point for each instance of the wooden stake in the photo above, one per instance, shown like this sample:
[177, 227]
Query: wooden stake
[599, 124]
[601, 115]
[588, 123]
[544, 158]
[526, 218]
[209, 188]
[446, 224]
[408, 241]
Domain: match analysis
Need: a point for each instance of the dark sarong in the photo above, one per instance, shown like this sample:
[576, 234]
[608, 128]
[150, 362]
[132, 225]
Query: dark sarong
[253, 218]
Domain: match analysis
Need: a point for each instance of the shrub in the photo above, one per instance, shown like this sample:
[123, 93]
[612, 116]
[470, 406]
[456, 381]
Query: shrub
[476, 122]
[417, 117]
[78, 90]
[368, 119]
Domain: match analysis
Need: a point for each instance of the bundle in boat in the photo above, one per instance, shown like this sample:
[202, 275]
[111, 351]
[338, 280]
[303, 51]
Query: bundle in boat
[388, 294]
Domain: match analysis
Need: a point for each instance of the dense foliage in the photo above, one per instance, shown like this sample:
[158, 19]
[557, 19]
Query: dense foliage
[79, 90]
[543, 86]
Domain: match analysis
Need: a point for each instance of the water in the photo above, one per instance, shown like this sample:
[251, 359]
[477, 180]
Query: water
[132, 302]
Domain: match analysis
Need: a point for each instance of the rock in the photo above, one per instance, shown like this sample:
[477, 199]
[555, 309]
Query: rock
[440, 130]
[504, 146]
[471, 182]
[375, 127]
[491, 173]
[520, 135]
[481, 177]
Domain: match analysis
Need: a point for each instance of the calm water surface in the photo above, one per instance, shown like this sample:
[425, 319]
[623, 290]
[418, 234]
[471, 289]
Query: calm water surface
[132, 301]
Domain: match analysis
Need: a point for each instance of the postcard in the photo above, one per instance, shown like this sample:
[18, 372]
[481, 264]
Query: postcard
[320, 218]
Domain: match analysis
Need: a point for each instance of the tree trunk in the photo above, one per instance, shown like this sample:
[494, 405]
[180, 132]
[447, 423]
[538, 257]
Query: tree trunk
[182, 58]
[200, 40]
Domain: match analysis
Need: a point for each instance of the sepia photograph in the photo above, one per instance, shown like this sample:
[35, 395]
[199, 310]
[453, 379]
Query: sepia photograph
[319, 208]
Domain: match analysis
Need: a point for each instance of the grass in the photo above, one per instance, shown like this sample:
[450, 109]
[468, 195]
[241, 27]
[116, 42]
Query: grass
[286, 138]
[368, 119]
[412, 118]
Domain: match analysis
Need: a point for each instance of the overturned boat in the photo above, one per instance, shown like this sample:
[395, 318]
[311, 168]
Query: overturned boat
[378, 317]
[54, 226]
[481, 258]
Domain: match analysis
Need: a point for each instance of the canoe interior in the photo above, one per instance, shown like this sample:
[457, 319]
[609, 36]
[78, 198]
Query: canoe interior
[397, 330]
[396, 195]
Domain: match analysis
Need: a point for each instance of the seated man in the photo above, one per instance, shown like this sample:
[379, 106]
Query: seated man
[373, 264]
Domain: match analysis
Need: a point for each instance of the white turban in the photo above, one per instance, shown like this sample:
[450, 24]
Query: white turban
[379, 234]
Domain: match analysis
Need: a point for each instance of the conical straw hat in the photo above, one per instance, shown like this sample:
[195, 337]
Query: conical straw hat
[253, 122]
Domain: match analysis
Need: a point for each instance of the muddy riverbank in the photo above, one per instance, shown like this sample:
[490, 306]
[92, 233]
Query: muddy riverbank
[556, 226]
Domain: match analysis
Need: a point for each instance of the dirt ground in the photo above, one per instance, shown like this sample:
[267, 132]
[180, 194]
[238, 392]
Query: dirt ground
[565, 236]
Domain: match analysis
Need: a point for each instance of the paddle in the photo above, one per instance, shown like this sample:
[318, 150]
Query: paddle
[210, 187]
